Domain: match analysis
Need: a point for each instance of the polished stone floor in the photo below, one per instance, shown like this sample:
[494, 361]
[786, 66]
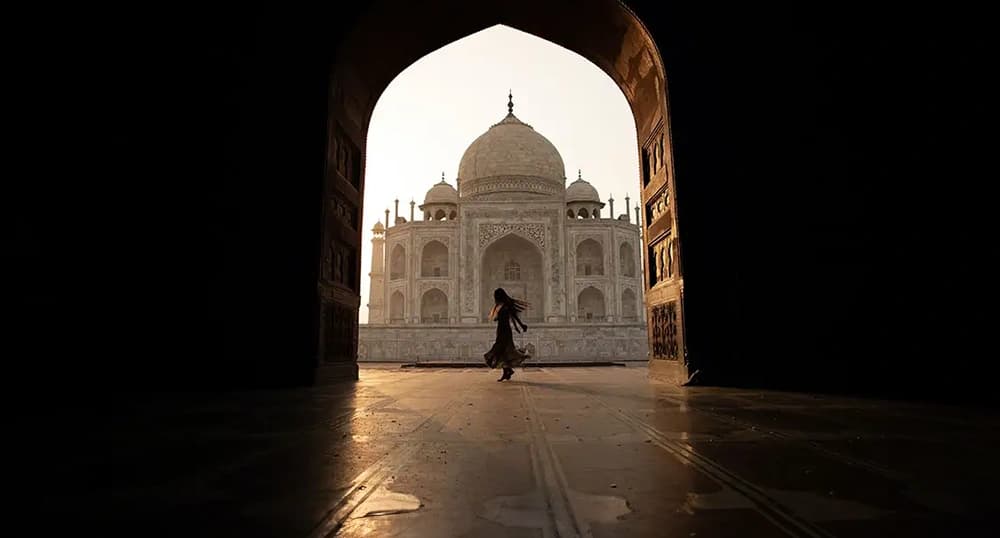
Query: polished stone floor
[554, 452]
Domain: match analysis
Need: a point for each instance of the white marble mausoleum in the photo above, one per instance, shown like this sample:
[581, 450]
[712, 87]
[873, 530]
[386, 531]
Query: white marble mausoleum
[514, 223]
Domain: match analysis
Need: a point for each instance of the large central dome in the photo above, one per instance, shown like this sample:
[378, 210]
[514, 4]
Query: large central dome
[511, 161]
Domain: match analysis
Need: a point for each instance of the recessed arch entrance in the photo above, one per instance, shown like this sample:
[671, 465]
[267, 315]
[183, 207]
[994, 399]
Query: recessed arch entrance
[623, 49]
[514, 264]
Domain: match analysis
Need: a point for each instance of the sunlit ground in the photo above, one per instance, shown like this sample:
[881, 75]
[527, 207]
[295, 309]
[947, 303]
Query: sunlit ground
[556, 451]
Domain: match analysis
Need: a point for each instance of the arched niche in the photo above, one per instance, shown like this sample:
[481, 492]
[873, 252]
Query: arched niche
[590, 305]
[589, 258]
[514, 264]
[397, 304]
[434, 307]
[397, 263]
[434, 260]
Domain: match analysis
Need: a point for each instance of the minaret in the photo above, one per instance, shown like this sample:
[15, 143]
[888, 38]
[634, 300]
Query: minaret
[397, 211]
[638, 221]
[611, 201]
[628, 218]
[387, 218]
[376, 295]
[412, 203]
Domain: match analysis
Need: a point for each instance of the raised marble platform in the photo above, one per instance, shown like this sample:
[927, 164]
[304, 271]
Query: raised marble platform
[466, 343]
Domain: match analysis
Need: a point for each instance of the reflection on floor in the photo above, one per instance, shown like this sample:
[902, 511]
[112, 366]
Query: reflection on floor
[554, 452]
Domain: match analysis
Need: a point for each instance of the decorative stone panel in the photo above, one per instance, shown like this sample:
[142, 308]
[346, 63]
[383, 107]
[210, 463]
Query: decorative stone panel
[664, 324]
[490, 231]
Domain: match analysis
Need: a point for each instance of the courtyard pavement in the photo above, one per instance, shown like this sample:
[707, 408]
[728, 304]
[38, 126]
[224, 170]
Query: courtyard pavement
[562, 452]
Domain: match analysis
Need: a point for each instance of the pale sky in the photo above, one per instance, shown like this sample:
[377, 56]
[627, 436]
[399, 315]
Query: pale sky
[436, 107]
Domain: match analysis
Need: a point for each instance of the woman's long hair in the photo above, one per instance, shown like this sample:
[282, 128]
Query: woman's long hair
[501, 299]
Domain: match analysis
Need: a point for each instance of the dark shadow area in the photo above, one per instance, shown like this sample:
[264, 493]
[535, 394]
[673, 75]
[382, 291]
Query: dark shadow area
[831, 176]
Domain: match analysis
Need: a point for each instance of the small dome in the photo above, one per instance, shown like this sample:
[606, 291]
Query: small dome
[581, 191]
[378, 227]
[441, 193]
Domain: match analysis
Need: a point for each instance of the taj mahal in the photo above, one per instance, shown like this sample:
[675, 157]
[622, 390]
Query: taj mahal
[512, 223]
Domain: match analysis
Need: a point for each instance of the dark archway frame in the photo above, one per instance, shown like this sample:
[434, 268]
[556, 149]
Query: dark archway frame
[617, 42]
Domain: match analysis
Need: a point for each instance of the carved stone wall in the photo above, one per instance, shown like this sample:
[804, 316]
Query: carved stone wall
[340, 336]
[663, 260]
[344, 157]
[488, 232]
[504, 187]
[665, 337]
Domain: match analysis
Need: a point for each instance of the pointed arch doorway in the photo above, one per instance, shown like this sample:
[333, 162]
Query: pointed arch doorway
[625, 50]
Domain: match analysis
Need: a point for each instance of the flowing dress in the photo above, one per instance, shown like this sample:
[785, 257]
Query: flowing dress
[504, 354]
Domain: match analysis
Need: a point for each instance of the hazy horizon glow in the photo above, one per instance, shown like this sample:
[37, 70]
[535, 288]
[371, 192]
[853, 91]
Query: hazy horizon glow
[435, 108]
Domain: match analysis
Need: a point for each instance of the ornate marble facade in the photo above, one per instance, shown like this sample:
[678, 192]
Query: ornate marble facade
[512, 223]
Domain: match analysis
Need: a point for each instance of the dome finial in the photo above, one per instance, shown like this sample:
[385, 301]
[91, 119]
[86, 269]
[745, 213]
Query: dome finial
[442, 177]
[579, 174]
[510, 102]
